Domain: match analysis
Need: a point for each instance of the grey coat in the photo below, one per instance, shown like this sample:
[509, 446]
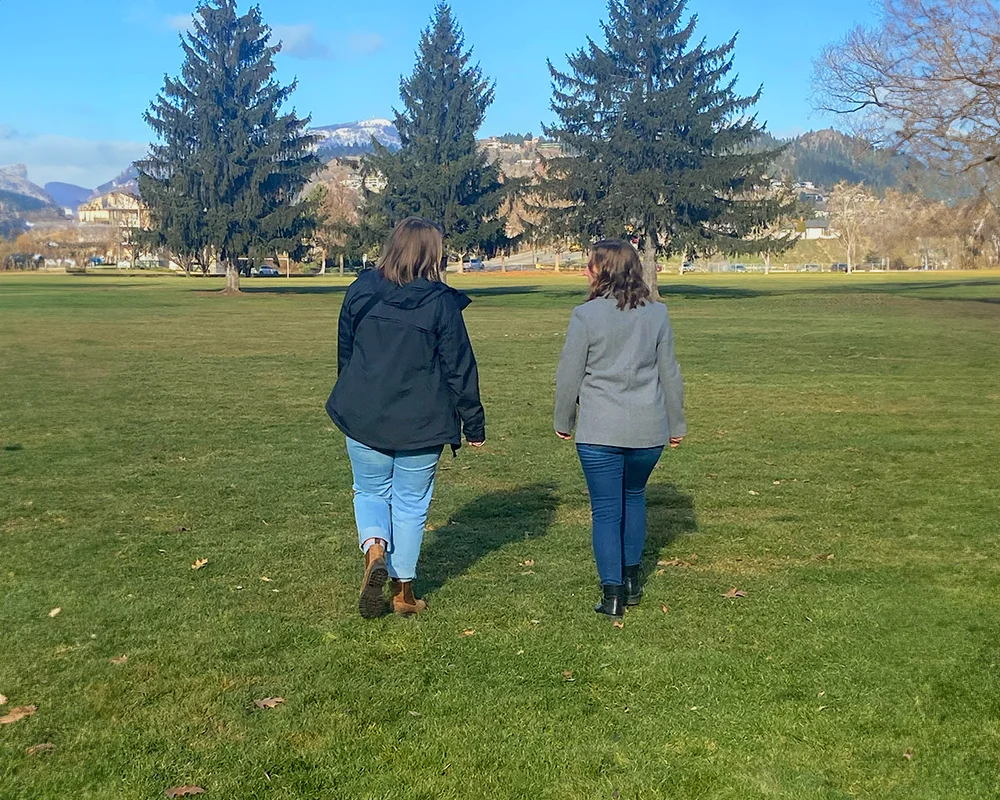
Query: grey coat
[619, 365]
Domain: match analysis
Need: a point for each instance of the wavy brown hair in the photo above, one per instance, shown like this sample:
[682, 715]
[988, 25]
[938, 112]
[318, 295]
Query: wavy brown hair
[617, 273]
[414, 250]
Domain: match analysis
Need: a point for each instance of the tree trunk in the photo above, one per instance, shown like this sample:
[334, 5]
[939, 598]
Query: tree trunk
[649, 264]
[232, 278]
[557, 260]
[340, 264]
[322, 266]
[503, 263]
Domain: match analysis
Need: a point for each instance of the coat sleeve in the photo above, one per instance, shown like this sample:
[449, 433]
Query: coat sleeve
[671, 381]
[345, 337]
[569, 375]
[462, 374]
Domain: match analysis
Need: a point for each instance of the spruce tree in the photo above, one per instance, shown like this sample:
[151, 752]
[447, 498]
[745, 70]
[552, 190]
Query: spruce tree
[225, 179]
[656, 142]
[439, 172]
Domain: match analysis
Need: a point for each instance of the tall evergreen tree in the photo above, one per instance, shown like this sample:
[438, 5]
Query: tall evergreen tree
[225, 180]
[657, 144]
[439, 172]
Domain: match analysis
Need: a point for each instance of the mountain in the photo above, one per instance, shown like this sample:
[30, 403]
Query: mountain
[827, 157]
[354, 138]
[20, 194]
[67, 195]
[127, 181]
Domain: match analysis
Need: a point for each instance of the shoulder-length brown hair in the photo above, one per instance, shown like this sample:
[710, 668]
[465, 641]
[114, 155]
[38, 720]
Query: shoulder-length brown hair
[413, 250]
[617, 273]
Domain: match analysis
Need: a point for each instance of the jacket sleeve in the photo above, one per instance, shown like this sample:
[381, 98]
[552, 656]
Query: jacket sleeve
[671, 381]
[345, 337]
[569, 375]
[462, 374]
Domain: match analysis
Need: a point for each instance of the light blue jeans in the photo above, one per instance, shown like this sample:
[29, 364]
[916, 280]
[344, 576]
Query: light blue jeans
[392, 492]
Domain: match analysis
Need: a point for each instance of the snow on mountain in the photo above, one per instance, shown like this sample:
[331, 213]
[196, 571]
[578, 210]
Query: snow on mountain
[128, 181]
[355, 137]
[21, 193]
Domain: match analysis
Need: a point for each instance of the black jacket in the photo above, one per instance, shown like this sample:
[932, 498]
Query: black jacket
[406, 377]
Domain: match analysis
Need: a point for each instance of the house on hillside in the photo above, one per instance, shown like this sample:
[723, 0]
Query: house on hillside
[116, 208]
[819, 228]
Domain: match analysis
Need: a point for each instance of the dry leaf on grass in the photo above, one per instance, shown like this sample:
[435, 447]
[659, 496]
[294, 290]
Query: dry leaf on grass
[265, 579]
[180, 529]
[665, 609]
[733, 593]
[568, 675]
[269, 702]
[3, 699]
[55, 612]
[674, 562]
[620, 625]
[528, 562]
[661, 572]
[468, 632]
[825, 557]
[908, 755]
[183, 791]
[755, 494]
[199, 563]
[38, 749]
[119, 660]
[17, 714]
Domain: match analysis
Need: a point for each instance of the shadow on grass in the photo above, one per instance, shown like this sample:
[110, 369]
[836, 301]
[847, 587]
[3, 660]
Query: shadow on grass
[294, 289]
[697, 292]
[670, 513]
[486, 524]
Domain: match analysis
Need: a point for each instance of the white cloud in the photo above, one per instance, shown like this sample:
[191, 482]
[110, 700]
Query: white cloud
[303, 42]
[51, 157]
[182, 23]
[365, 44]
[300, 41]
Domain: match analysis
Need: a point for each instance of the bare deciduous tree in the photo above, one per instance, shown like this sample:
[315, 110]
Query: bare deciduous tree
[925, 79]
[853, 212]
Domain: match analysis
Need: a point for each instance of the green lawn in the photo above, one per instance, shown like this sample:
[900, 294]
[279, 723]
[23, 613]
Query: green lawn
[841, 471]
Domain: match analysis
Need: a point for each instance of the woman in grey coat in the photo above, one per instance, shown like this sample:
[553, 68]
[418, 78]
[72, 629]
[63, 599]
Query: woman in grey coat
[619, 386]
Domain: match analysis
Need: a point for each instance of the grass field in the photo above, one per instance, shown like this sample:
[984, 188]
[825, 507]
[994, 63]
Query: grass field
[841, 471]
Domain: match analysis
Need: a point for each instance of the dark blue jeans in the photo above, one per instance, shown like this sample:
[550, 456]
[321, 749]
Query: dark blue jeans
[616, 478]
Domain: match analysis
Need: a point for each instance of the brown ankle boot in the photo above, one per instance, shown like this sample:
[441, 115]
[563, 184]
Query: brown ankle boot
[372, 603]
[403, 601]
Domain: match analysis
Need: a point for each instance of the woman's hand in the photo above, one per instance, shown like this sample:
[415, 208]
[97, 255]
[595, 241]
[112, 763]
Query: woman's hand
[675, 441]
[566, 436]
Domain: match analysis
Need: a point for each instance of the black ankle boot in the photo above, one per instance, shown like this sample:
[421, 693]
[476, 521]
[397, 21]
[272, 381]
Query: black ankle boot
[633, 585]
[613, 604]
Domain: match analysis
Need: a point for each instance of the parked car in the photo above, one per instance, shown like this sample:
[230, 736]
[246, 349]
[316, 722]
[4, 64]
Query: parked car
[810, 268]
[267, 271]
[687, 266]
[739, 267]
[840, 266]
[473, 265]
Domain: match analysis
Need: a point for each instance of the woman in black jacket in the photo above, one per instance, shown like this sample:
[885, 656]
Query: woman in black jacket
[407, 384]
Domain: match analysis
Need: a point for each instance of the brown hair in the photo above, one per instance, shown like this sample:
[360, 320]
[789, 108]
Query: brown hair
[413, 250]
[617, 273]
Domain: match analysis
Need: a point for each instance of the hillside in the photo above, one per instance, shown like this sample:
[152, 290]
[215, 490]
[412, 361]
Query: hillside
[21, 195]
[827, 157]
[127, 181]
[67, 195]
[355, 138]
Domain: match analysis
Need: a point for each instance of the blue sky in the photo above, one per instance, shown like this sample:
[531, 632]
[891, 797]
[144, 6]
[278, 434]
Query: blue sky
[78, 76]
